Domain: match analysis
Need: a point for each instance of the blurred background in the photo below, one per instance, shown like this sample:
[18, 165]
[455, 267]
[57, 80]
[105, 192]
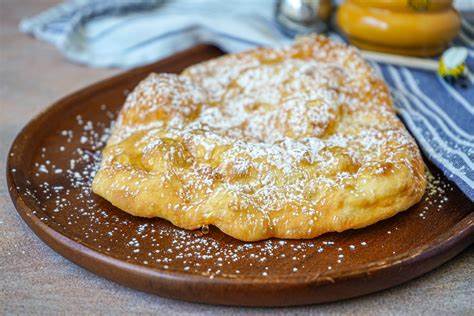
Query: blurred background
[51, 48]
[129, 33]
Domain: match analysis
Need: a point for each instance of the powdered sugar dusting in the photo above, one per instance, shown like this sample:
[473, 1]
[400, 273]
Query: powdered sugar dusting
[268, 131]
[59, 188]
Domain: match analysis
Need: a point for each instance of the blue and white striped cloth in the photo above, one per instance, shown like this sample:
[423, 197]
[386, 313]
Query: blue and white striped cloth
[129, 33]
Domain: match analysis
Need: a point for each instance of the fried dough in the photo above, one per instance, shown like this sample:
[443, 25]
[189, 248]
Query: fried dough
[289, 143]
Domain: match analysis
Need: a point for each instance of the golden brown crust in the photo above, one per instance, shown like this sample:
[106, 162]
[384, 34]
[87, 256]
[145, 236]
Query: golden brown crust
[288, 143]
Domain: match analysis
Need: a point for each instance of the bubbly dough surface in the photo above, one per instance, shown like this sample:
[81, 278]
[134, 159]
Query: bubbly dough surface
[288, 143]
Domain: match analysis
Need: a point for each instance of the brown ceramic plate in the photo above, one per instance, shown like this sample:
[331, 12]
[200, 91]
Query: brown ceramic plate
[50, 167]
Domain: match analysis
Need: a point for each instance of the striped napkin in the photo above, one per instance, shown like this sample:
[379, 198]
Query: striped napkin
[129, 33]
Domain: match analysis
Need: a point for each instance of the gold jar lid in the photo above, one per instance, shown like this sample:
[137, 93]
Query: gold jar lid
[406, 5]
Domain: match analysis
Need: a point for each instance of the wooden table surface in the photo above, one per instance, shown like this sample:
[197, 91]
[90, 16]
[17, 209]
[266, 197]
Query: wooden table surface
[32, 75]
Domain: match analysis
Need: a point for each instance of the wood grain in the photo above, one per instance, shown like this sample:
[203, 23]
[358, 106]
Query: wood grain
[27, 84]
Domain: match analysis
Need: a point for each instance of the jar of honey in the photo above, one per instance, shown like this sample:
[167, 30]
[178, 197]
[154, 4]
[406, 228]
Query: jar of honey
[407, 27]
